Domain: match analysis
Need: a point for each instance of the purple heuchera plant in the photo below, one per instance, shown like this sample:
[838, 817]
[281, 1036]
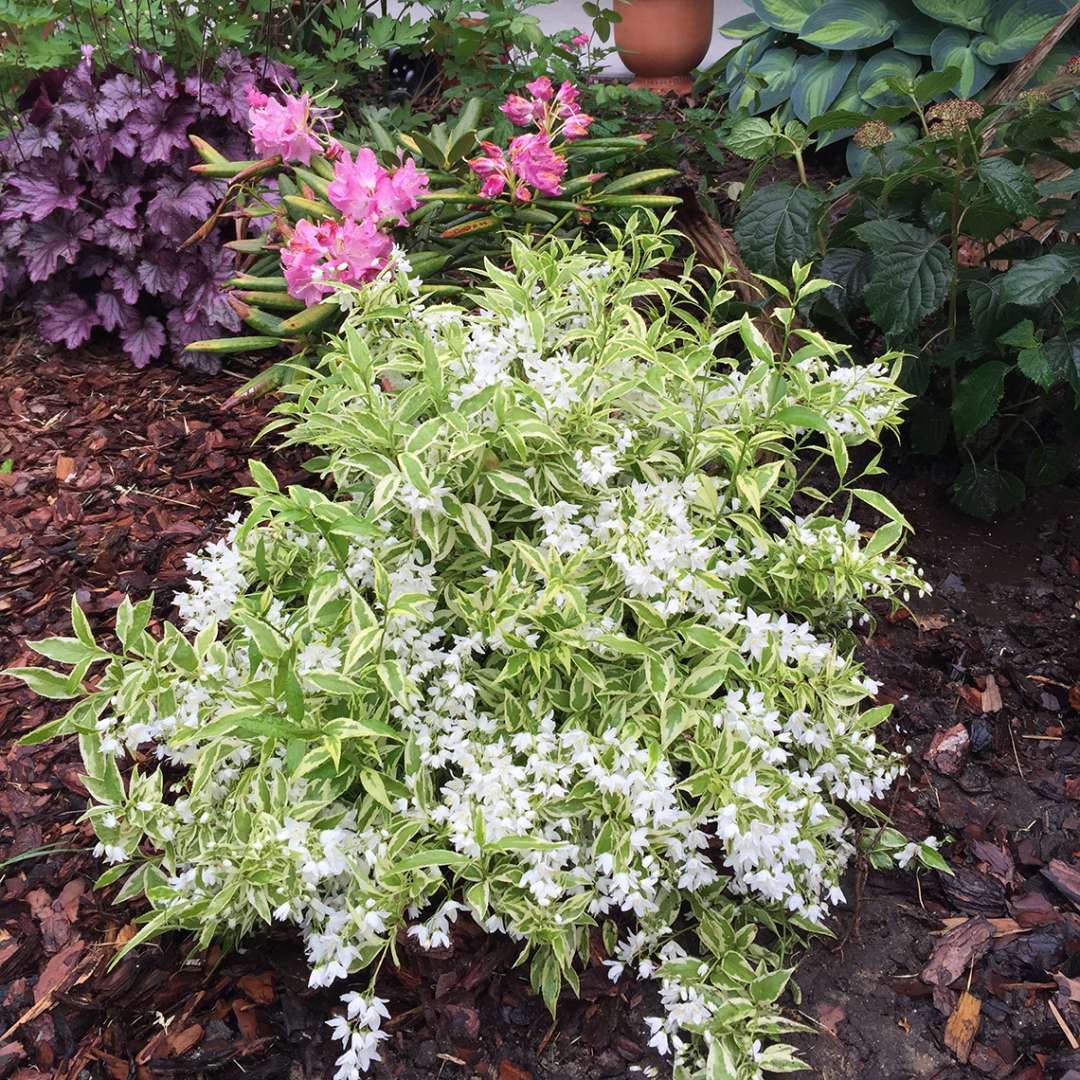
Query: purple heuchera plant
[96, 196]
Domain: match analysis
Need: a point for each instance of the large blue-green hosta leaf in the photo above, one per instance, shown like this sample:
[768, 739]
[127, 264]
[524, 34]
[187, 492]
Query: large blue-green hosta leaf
[967, 13]
[954, 48]
[850, 101]
[787, 15]
[745, 26]
[851, 24]
[879, 69]
[769, 82]
[818, 82]
[777, 226]
[1014, 27]
[911, 275]
[916, 35]
[744, 57]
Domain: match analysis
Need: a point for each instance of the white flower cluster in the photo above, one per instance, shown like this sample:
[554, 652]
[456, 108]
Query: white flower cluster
[560, 655]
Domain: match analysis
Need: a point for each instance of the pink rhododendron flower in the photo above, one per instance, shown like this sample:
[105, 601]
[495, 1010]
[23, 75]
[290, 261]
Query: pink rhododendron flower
[575, 122]
[537, 164]
[402, 194]
[362, 188]
[355, 183]
[318, 256]
[283, 127]
[521, 111]
[580, 40]
[492, 168]
[541, 88]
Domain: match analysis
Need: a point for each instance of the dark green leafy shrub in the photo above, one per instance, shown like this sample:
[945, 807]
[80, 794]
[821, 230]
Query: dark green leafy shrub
[959, 247]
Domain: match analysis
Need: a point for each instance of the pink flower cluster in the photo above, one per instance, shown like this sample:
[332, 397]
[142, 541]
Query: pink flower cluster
[530, 161]
[372, 201]
[284, 127]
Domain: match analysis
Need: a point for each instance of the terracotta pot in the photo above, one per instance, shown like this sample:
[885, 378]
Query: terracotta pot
[661, 41]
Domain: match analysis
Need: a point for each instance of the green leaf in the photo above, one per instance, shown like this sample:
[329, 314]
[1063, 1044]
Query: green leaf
[777, 226]
[262, 476]
[513, 487]
[1047, 466]
[1034, 281]
[476, 525]
[706, 679]
[799, 416]
[881, 504]
[966, 13]
[983, 491]
[422, 860]
[45, 683]
[1035, 364]
[934, 83]
[788, 15]
[745, 26]
[1010, 184]
[67, 650]
[954, 48]
[850, 268]
[916, 35]
[818, 82]
[911, 275]
[1014, 27]
[851, 24]
[751, 137]
[876, 73]
[772, 78]
[977, 397]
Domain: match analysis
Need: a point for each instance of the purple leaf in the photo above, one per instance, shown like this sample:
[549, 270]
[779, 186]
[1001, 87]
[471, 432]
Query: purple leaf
[48, 243]
[143, 340]
[36, 193]
[112, 311]
[71, 321]
[180, 206]
[124, 241]
[120, 96]
[27, 143]
[162, 127]
[126, 282]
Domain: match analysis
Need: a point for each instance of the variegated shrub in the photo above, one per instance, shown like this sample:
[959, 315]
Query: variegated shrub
[566, 652]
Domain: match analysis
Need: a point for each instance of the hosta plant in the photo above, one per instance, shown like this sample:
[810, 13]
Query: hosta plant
[326, 213]
[801, 58]
[96, 197]
[565, 651]
[955, 241]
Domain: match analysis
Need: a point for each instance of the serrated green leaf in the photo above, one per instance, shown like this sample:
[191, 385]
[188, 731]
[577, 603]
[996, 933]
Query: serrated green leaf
[977, 397]
[912, 271]
[1010, 184]
[777, 226]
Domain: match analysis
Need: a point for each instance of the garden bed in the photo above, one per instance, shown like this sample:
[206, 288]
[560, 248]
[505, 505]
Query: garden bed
[115, 480]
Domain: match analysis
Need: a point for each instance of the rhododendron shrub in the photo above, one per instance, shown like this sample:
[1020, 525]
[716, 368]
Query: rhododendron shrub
[324, 214]
[556, 653]
[96, 196]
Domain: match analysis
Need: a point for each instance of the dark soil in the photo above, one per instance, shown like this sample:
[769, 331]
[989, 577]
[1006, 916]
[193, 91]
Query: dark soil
[1005, 608]
[117, 474]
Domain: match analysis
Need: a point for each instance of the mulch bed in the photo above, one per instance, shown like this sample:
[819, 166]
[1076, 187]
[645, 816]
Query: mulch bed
[116, 475]
[951, 978]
